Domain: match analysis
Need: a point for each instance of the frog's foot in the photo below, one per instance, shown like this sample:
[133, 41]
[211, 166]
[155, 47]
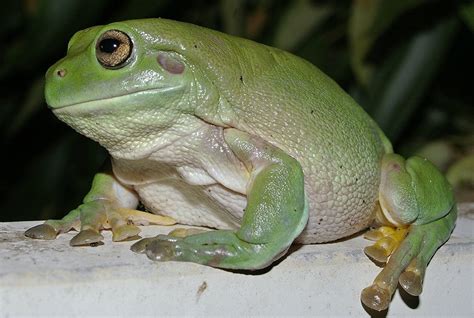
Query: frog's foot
[93, 216]
[221, 248]
[407, 264]
[387, 239]
[413, 194]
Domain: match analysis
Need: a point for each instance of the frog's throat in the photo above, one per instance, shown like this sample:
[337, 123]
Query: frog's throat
[112, 100]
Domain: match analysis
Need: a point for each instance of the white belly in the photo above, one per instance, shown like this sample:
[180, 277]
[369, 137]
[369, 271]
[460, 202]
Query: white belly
[202, 205]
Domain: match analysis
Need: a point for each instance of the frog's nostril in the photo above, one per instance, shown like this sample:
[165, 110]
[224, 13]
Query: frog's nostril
[61, 72]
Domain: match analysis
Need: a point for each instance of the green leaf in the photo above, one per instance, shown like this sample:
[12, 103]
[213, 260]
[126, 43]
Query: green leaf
[368, 20]
[300, 19]
[467, 14]
[401, 83]
[232, 16]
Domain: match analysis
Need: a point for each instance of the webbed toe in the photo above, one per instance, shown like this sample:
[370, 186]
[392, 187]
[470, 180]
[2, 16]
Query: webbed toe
[86, 237]
[43, 232]
[376, 298]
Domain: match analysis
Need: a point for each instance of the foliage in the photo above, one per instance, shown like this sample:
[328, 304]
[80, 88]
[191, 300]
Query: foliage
[407, 62]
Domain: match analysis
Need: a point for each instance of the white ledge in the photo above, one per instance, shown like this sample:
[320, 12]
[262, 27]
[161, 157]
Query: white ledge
[51, 278]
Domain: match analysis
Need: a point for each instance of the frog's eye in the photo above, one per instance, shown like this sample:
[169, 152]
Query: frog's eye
[113, 49]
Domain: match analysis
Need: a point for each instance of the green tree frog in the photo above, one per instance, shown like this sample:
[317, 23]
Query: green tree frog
[212, 130]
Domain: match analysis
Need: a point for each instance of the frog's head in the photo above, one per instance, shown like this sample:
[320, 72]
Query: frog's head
[129, 89]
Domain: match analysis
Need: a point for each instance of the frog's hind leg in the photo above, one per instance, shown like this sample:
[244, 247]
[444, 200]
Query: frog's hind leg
[275, 214]
[415, 196]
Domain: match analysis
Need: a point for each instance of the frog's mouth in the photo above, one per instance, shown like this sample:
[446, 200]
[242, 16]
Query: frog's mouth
[114, 100]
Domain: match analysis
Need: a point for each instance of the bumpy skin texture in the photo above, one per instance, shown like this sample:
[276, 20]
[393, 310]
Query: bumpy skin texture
[214, 130]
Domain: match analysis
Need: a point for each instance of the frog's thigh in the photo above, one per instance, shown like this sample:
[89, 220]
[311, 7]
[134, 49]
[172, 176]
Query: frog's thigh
[275, 214]
[415, 197]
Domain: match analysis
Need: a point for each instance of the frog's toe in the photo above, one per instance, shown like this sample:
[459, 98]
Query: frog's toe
[376, 297]
[140, 246]
[43, 232]
[379, 233]
[50, 229]
[86, 237]
[387, 240]
[183, 232]
[160, 248]
[123, 232]
[164, 249]
[377, 253]
[411, 282]
[140, 217]
[123, 222]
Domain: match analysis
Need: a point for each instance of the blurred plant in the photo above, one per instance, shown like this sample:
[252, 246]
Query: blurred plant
[407, 62]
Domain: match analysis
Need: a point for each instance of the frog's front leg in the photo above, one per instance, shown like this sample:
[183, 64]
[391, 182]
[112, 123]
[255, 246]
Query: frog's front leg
[108, 205]
[413, 195]
[275, 214]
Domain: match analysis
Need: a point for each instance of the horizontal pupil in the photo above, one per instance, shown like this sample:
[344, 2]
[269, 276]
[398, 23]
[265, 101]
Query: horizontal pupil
[109, 45]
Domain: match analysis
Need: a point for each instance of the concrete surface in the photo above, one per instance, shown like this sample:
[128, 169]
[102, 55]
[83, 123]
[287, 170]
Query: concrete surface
[50, 278]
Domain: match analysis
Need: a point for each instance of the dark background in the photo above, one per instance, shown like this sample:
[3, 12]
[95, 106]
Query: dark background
[409, 63]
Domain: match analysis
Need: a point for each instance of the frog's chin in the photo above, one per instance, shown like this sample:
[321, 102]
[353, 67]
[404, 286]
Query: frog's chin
[103, 103]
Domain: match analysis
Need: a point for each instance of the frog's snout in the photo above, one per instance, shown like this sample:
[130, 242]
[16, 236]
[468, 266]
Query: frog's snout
[55, 77]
